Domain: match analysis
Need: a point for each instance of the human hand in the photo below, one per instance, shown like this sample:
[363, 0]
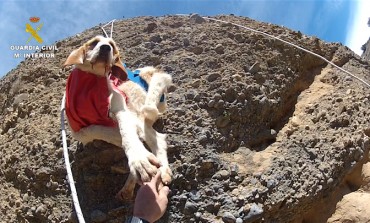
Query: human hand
[151, 200]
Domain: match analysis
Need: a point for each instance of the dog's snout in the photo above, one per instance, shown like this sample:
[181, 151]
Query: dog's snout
[105, 47]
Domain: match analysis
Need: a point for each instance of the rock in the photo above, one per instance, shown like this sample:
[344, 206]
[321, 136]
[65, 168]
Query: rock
[190, 208]
[186, 42]
[41, 210]
[220, 49]
[354, 207]
[212, 77]
[365, 174]
[196, 83]
[208, 165]
[237, 77]
[222, 175]
[227, 217]
[240, 38]
[25, 197]
[156, 39]
[271, 184]
[254, 213]
[195, 196]
[295, 121]
[43, 173]
[196, 50]
[198, 215]
[211, 103]
[195, 18]
[150, 27]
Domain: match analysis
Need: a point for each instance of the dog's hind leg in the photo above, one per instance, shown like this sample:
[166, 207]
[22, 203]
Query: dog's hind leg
[127, 192]
[157, 86]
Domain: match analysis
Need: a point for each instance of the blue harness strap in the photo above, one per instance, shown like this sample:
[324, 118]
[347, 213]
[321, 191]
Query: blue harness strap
[135, 77]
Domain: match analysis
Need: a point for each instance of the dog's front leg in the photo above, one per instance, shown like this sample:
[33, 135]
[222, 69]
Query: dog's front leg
[143, 164]
[158, 85]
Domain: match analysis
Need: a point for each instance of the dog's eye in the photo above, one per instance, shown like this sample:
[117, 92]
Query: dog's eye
[112, 45]
[93, 44]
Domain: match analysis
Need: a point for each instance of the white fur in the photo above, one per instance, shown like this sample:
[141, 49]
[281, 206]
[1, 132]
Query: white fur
[91, 55]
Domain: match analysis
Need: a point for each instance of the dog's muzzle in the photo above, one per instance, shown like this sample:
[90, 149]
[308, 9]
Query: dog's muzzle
[105, 48]
[104, 54]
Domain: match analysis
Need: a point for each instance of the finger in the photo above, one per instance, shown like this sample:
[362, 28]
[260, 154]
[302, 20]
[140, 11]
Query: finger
[160, 185]
[158, 180]
[154, 182]
[164, 191]
[154, 160]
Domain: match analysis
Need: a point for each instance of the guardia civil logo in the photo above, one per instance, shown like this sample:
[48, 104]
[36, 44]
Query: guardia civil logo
[34, 47]
[32, 31]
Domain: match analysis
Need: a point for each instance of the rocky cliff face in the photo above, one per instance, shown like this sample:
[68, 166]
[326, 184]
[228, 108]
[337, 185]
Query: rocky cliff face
[366, 52]
[366, 47]
[259, 131]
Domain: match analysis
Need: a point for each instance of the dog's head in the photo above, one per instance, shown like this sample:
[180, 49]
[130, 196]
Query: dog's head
[98, 56]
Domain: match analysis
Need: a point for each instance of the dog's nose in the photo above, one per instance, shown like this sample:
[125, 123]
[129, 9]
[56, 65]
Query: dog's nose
[105, 47]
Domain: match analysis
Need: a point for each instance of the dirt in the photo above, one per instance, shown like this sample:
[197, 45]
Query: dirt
[258, 131]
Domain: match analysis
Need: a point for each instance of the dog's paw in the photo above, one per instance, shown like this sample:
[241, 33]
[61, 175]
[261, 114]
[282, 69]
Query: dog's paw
[143, 166]
[150, 112]
[162, 107]
[166, 175]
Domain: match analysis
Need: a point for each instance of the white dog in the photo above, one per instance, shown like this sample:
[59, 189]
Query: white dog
[101, 103]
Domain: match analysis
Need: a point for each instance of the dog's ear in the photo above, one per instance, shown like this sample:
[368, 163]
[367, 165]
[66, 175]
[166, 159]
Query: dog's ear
[119, 70]
[76, 57]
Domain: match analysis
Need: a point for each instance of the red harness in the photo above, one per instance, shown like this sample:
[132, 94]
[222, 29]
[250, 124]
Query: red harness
[87, 100]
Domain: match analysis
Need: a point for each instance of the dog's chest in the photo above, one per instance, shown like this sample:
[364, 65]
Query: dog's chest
[87, 100]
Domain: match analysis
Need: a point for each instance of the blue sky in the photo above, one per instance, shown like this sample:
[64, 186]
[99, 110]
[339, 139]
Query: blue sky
[342, 21]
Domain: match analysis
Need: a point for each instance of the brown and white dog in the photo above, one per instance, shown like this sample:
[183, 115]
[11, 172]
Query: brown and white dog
[101, 103]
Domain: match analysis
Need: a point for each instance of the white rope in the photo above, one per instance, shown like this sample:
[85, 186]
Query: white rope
[72, 186]
[106, 35]
[111, 28]
[291, 44]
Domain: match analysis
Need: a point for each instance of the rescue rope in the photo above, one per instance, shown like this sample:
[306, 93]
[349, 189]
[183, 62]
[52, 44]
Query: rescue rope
[71, 181]
[111, 28]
